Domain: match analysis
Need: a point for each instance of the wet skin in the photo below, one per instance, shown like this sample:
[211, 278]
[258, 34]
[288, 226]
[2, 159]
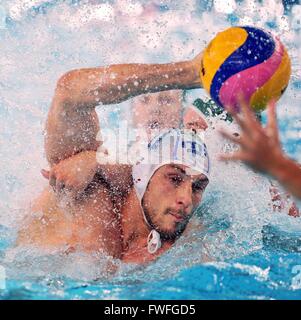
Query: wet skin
[91, 221]
[104, 219]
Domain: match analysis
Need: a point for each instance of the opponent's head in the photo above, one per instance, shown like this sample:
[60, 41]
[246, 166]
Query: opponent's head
[170, 180]
[158, 110]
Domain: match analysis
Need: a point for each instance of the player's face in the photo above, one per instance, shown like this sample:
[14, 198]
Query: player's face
[171, 197]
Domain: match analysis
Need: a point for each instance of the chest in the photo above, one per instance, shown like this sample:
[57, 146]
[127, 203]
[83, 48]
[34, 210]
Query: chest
[92, 223]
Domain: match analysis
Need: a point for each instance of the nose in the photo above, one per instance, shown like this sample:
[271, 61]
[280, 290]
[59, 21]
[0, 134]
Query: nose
[184, 198]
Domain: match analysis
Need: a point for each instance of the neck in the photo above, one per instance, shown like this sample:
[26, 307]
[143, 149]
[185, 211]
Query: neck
[132, 222]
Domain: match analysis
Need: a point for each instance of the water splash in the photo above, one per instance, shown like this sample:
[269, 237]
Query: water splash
[40, 40]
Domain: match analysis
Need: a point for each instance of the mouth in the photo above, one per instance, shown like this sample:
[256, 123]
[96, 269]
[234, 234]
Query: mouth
[178, 217]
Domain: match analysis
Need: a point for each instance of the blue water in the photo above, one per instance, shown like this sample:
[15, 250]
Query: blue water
[200, 282]
[254, 253]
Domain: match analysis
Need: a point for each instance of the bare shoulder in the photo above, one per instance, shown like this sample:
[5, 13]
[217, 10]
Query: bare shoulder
[88, 224]
[44, 217]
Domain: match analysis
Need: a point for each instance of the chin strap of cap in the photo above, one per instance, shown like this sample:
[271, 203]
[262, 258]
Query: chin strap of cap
[153, 241]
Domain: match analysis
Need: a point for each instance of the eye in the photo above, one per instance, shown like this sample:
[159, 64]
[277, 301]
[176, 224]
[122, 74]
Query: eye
[199, 186]
[176, 180]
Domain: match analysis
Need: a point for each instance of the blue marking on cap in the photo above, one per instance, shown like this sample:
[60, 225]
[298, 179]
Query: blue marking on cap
[174, 151]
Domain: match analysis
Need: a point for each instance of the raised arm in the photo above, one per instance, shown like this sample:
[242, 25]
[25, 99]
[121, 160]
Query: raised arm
[72, 123]
[261, 149]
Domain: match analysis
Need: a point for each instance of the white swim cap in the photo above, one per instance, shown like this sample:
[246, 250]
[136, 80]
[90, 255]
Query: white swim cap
[172, 146]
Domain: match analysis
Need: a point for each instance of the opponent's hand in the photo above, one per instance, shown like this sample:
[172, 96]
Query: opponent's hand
[73, 174]
[259, 147]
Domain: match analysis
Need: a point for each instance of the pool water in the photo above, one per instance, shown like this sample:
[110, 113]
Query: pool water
[254, 253]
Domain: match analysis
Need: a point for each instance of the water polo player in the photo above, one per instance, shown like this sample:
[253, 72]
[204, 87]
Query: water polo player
[109, 216]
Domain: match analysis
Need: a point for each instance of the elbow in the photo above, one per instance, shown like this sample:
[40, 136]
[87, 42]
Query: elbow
[77, 87]
[68, 78]
[68, 86]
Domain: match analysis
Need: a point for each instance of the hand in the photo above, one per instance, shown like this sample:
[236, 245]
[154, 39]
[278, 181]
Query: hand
[259, 147]
[73, 174]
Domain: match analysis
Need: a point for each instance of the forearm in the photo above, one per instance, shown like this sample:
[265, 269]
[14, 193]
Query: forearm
[116, 83]
[288, 173]
[72, 123]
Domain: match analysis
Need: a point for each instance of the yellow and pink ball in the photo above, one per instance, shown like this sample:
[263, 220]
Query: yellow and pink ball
[245, 61]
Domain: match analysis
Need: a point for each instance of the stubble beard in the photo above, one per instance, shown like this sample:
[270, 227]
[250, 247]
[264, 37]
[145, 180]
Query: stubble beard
[165, 234]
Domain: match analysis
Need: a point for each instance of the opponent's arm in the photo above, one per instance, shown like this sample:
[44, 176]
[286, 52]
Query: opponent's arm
[72, 123]
[261, 149]
[288, 173]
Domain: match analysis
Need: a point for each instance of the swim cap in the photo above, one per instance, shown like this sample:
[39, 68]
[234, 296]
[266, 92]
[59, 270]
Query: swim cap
[172, 146]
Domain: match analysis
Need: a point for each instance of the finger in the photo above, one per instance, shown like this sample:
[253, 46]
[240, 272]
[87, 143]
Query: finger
[240, 120]
[243, 124]
[247, 113]
[245, 108]
[272, 125]
[252, 125]
[45, 173]
[231, 110]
